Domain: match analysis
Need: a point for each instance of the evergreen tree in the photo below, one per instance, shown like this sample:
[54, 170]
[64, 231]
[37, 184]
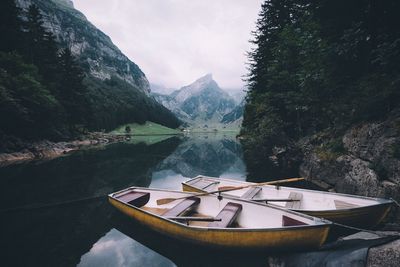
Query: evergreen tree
[27, 108]
[41, 48]
[72, 91]
[320, 65]
[10, 26]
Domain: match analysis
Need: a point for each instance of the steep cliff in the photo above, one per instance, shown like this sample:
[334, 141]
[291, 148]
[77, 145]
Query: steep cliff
[100, 57]
[119, 91]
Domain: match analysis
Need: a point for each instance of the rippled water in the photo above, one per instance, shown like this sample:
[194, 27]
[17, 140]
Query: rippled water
[55, 213]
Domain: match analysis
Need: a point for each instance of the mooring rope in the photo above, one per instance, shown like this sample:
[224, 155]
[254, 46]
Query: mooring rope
[395, 202]
[49, 205]
[366, 230]
[380, 234]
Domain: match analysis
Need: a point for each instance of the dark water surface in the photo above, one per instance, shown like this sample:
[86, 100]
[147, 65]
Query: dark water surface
[43, 224]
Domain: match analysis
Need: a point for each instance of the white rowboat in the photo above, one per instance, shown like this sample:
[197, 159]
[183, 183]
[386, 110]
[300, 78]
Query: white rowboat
[356, 211]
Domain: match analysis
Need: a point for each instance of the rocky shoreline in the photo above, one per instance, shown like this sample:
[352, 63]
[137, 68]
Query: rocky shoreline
[368, 162]
[387, 255]
[45, 150]
[363, 160]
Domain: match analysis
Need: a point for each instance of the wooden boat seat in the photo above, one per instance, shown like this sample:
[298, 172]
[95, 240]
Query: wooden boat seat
[137, 199]
[294, 204]
[182, 207]
[251, 192]
[227, 215]
[287, 221]
[203, 183]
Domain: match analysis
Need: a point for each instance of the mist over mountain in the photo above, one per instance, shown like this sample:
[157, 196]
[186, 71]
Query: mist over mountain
[236, 115]
[237, 94]
[160, 89]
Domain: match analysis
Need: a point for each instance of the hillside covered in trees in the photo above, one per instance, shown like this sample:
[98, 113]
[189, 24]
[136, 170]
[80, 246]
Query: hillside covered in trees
[48, 93]
[321, 64]
[324, 93]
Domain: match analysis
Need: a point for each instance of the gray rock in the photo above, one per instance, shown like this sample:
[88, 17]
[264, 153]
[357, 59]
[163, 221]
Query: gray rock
[376, 143]
[314, 168]
[370, 167]
[358, 178]
[387, 255]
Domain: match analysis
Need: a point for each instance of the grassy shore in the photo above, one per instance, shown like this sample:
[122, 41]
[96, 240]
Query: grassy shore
[149, 128]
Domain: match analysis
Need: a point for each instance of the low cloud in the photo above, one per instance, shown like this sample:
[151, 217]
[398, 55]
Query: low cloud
[177, 41]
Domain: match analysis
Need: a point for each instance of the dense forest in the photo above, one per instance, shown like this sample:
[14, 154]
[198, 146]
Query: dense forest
[45, 92]
[321, 66]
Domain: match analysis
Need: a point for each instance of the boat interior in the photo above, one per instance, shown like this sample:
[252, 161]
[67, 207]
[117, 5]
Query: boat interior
[212, 211]
[286, 197]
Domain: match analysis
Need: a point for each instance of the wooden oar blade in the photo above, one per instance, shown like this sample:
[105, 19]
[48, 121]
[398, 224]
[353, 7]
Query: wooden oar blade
[289, 180]
[227, 187]
[163, 201]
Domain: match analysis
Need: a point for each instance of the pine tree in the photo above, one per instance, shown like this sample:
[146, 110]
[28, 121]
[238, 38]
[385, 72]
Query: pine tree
[41, 47]
[272, 65]
[72, 91]
[322, 66]
[10, 26]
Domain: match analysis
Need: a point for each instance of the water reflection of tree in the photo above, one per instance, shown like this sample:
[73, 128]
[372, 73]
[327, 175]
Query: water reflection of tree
[60, 235]
[262, 166]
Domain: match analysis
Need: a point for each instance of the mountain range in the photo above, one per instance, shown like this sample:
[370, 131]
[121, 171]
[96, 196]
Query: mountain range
[203, 101]
[118, 90]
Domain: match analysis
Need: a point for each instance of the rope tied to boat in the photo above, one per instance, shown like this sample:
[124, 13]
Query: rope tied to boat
[395, 202]
[380, 234]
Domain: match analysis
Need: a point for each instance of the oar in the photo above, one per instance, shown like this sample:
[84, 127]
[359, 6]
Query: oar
[200, 219]
[163, 201]
[290, 180]
[275, 200]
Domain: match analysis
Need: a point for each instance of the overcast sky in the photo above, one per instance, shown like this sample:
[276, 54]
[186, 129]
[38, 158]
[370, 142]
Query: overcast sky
[175, 42]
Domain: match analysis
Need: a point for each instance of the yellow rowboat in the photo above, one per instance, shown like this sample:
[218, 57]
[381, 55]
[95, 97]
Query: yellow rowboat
[351, 210]
[221, 222]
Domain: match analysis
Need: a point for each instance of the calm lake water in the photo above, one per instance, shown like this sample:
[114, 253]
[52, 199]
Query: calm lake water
[43, 224]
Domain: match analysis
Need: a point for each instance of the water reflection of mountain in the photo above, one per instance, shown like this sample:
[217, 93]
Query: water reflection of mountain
[60, 235]
[208, 154]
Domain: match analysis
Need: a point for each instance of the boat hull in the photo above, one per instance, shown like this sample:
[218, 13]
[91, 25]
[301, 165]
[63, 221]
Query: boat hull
[364, 217]
[290, 238]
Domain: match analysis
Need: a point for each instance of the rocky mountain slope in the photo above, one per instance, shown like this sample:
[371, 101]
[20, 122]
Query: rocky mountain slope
[201, 101]
[235, 115]
[94, 48]
[119, 90]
